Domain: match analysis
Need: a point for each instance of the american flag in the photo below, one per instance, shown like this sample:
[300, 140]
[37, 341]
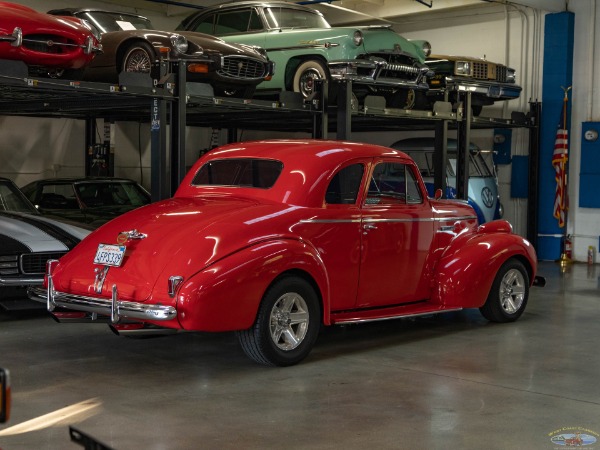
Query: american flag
[559, 161]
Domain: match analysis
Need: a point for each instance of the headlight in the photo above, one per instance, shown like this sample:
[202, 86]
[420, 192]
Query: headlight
[426, 48]
[357, 38]
[463, 68]
[511, 76]
[179, 43]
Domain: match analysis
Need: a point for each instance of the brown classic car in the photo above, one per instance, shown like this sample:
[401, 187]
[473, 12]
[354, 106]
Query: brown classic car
[131, 44]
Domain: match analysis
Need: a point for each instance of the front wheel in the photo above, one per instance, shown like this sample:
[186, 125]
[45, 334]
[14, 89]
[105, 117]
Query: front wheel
[138, 58]
[306, 74]
[509, 294]
[286, 326]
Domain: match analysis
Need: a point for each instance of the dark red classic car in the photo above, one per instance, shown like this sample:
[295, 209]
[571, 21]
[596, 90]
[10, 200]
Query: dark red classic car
[275, 238]
[47, 44]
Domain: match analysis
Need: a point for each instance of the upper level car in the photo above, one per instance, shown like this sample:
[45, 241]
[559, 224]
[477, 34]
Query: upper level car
[274, 239]
[27, 241]
[305, 48]
[487, 81]
[131, 44]
[482, 191]
[91, 200]
[48, 45]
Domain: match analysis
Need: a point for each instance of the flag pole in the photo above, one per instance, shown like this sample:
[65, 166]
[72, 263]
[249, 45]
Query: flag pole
[564, 257]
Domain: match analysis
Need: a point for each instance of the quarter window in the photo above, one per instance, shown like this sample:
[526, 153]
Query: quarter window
[239, 21]
[344, 186]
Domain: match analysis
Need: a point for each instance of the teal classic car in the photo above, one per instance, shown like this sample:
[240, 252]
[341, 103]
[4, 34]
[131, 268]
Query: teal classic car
[305, 47]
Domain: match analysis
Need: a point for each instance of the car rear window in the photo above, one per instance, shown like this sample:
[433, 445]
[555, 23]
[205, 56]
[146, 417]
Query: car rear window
[240, 172]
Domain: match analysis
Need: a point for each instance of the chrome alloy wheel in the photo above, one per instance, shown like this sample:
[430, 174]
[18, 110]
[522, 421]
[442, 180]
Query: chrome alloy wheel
[289, 321]
[512, 291]
[307, 81]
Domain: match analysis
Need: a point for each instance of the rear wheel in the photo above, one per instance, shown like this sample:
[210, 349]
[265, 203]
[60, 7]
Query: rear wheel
[286, 326]
[306, 74]
[509, 294]
[138, 58]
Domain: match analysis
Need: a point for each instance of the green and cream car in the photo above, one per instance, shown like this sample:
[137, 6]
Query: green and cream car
[305, 47]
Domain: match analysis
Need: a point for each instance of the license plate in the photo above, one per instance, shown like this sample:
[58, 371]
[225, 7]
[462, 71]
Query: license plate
[109, 255]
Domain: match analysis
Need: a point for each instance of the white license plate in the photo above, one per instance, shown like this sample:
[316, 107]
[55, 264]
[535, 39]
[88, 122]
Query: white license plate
[109, 255]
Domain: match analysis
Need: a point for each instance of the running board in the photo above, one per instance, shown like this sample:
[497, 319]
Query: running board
[378, 315]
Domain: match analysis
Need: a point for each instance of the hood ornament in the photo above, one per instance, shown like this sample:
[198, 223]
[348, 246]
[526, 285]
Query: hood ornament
[125, 236]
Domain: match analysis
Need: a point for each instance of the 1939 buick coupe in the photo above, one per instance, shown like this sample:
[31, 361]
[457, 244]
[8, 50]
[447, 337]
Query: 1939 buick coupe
[273, 239]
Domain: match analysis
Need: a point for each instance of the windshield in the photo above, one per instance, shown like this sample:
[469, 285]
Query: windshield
[242, 172]
[12, 199]
[294, 18]
[94, 195]
[480, 164]
[105, 22]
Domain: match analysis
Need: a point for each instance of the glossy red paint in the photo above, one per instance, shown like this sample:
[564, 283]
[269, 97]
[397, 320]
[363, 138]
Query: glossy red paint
[371, 257]
[43, 37]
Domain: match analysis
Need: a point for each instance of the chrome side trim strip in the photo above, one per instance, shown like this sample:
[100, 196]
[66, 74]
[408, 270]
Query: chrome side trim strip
[372, 220]
[113, 307]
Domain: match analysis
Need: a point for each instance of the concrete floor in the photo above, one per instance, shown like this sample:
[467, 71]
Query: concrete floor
[452, 381]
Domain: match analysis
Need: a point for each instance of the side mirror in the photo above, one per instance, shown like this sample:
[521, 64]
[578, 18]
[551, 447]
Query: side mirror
[4, 395]
[438, 194]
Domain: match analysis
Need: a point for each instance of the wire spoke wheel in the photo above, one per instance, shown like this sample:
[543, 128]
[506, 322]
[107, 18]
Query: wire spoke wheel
[138, 59]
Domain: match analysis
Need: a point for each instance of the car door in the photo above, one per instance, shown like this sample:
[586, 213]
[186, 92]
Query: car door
[397, 233]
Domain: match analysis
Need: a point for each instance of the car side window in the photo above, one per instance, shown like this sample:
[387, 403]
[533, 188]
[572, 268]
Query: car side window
[238, 21]
[393, 184]
[344, 186]
[206, 25]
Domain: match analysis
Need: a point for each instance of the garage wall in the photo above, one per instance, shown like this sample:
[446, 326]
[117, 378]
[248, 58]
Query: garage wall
[32, 148]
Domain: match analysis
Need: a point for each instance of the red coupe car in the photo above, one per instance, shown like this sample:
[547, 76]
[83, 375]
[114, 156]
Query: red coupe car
[47, 44]
[275, 238]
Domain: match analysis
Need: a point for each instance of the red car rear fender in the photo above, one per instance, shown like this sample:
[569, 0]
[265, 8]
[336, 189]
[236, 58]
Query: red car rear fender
[467, 268]
[226, 295]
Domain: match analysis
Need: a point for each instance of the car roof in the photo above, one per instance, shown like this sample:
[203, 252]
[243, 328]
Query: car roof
[73, 11]
[308, 165]
[84, 180]
[266, 4]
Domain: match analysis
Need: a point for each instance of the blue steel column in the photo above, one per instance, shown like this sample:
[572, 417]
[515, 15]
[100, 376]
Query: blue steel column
[557, 73]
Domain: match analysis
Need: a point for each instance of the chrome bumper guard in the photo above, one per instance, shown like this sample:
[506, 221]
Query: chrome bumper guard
[347, 70]
[496, 91]
[114, 308]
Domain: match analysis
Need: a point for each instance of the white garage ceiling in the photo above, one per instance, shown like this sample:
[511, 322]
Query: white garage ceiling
[352, 11]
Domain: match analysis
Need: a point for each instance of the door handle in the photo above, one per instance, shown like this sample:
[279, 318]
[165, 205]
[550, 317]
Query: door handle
[369, 226]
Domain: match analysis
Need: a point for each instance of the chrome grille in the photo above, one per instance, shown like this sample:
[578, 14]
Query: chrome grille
[9, 265]
[35, 263]
[398, 66]
[243, 68]
[48, 43]
[489, 71]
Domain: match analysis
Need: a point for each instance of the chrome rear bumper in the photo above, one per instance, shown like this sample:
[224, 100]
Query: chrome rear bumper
[114, 308]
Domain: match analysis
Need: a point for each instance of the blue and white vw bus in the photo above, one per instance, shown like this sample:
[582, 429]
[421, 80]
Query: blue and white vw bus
[483, 181]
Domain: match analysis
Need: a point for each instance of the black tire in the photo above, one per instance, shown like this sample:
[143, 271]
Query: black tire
[138, 57]
[402, 99]
[476, 109]
[287, 324]
[509, 294]
[242, 92]
[306, 73]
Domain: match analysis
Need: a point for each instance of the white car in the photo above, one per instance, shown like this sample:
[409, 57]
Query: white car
[27, 241]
